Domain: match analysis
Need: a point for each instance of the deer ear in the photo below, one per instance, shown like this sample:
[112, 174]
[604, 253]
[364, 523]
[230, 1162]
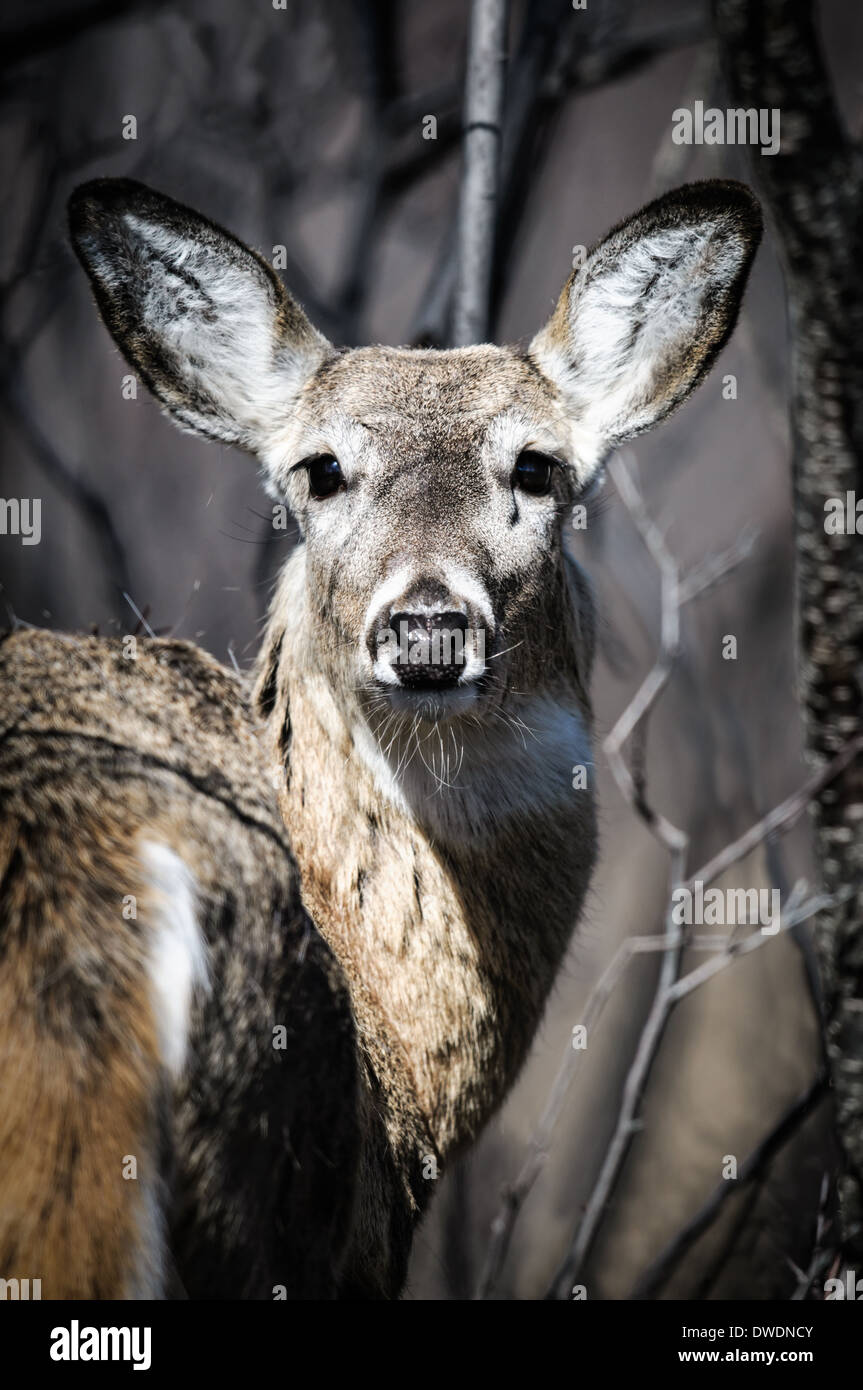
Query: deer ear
[641, 322]
[204, 320]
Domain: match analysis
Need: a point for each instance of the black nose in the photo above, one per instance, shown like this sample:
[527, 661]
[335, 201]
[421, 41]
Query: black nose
[431, 648]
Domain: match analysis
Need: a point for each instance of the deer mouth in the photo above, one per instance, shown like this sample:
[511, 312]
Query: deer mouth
[431, 697]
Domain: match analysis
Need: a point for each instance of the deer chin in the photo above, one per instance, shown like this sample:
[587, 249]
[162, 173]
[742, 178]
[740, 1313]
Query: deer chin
[430, 705]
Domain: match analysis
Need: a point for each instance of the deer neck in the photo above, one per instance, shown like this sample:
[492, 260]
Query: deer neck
[449, 905]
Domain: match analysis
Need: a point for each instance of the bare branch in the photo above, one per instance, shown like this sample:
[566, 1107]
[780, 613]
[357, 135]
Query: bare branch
[782, 817]
[515, 1194]
[753, 1165]
[627, 1123]
[482, 141]
[822, 1256]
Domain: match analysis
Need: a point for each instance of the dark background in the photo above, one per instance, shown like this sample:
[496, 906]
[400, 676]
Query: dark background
[303, 128]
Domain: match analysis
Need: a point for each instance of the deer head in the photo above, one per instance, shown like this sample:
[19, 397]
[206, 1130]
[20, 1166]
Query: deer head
[430, 487]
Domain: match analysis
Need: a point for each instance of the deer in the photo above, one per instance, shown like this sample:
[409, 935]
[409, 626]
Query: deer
[378, 838]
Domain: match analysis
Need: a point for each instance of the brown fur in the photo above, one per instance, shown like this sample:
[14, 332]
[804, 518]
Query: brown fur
[96, 750]
[77, 1047]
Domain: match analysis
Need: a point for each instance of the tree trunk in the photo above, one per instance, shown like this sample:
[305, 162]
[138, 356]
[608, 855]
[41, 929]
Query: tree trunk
[813, 191]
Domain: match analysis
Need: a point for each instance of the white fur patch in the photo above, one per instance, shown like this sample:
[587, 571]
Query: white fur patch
[178, 961]
[386, 595]
[467, 588]
[459, 779]
[385, 777]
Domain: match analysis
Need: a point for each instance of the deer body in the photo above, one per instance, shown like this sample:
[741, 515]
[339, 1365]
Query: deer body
[425, 785]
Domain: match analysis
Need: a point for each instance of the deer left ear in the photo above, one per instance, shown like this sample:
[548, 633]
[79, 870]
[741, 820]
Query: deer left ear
[641, 321]
[204, 320]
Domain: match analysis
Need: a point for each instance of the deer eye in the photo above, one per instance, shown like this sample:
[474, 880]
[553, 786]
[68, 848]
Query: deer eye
[325, 476]
[533, 472]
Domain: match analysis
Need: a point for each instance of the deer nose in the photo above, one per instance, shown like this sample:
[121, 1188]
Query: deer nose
[431, 648]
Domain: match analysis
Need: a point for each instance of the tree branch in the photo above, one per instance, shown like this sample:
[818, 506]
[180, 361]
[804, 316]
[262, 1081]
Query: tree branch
[659, 1272]
[482, 142]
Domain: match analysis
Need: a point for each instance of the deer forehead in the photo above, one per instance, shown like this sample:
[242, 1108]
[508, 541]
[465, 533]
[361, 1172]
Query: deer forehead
[481, 379]
[457, 391]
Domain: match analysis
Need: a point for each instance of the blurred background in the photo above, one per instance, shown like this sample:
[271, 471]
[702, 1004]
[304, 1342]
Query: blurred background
[305, 129]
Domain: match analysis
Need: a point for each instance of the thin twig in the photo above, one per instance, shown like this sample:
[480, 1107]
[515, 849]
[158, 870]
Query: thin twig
[822, 1255]
[627, 1123]
[667, 1261]
[516, 1193]
[138, 614]
[782, 817]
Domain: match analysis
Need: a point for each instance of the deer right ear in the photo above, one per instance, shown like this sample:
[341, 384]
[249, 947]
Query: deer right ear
[641, 321]
[204, 320]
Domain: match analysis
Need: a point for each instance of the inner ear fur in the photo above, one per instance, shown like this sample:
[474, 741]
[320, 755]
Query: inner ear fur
[203, 319]
[639, 324]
